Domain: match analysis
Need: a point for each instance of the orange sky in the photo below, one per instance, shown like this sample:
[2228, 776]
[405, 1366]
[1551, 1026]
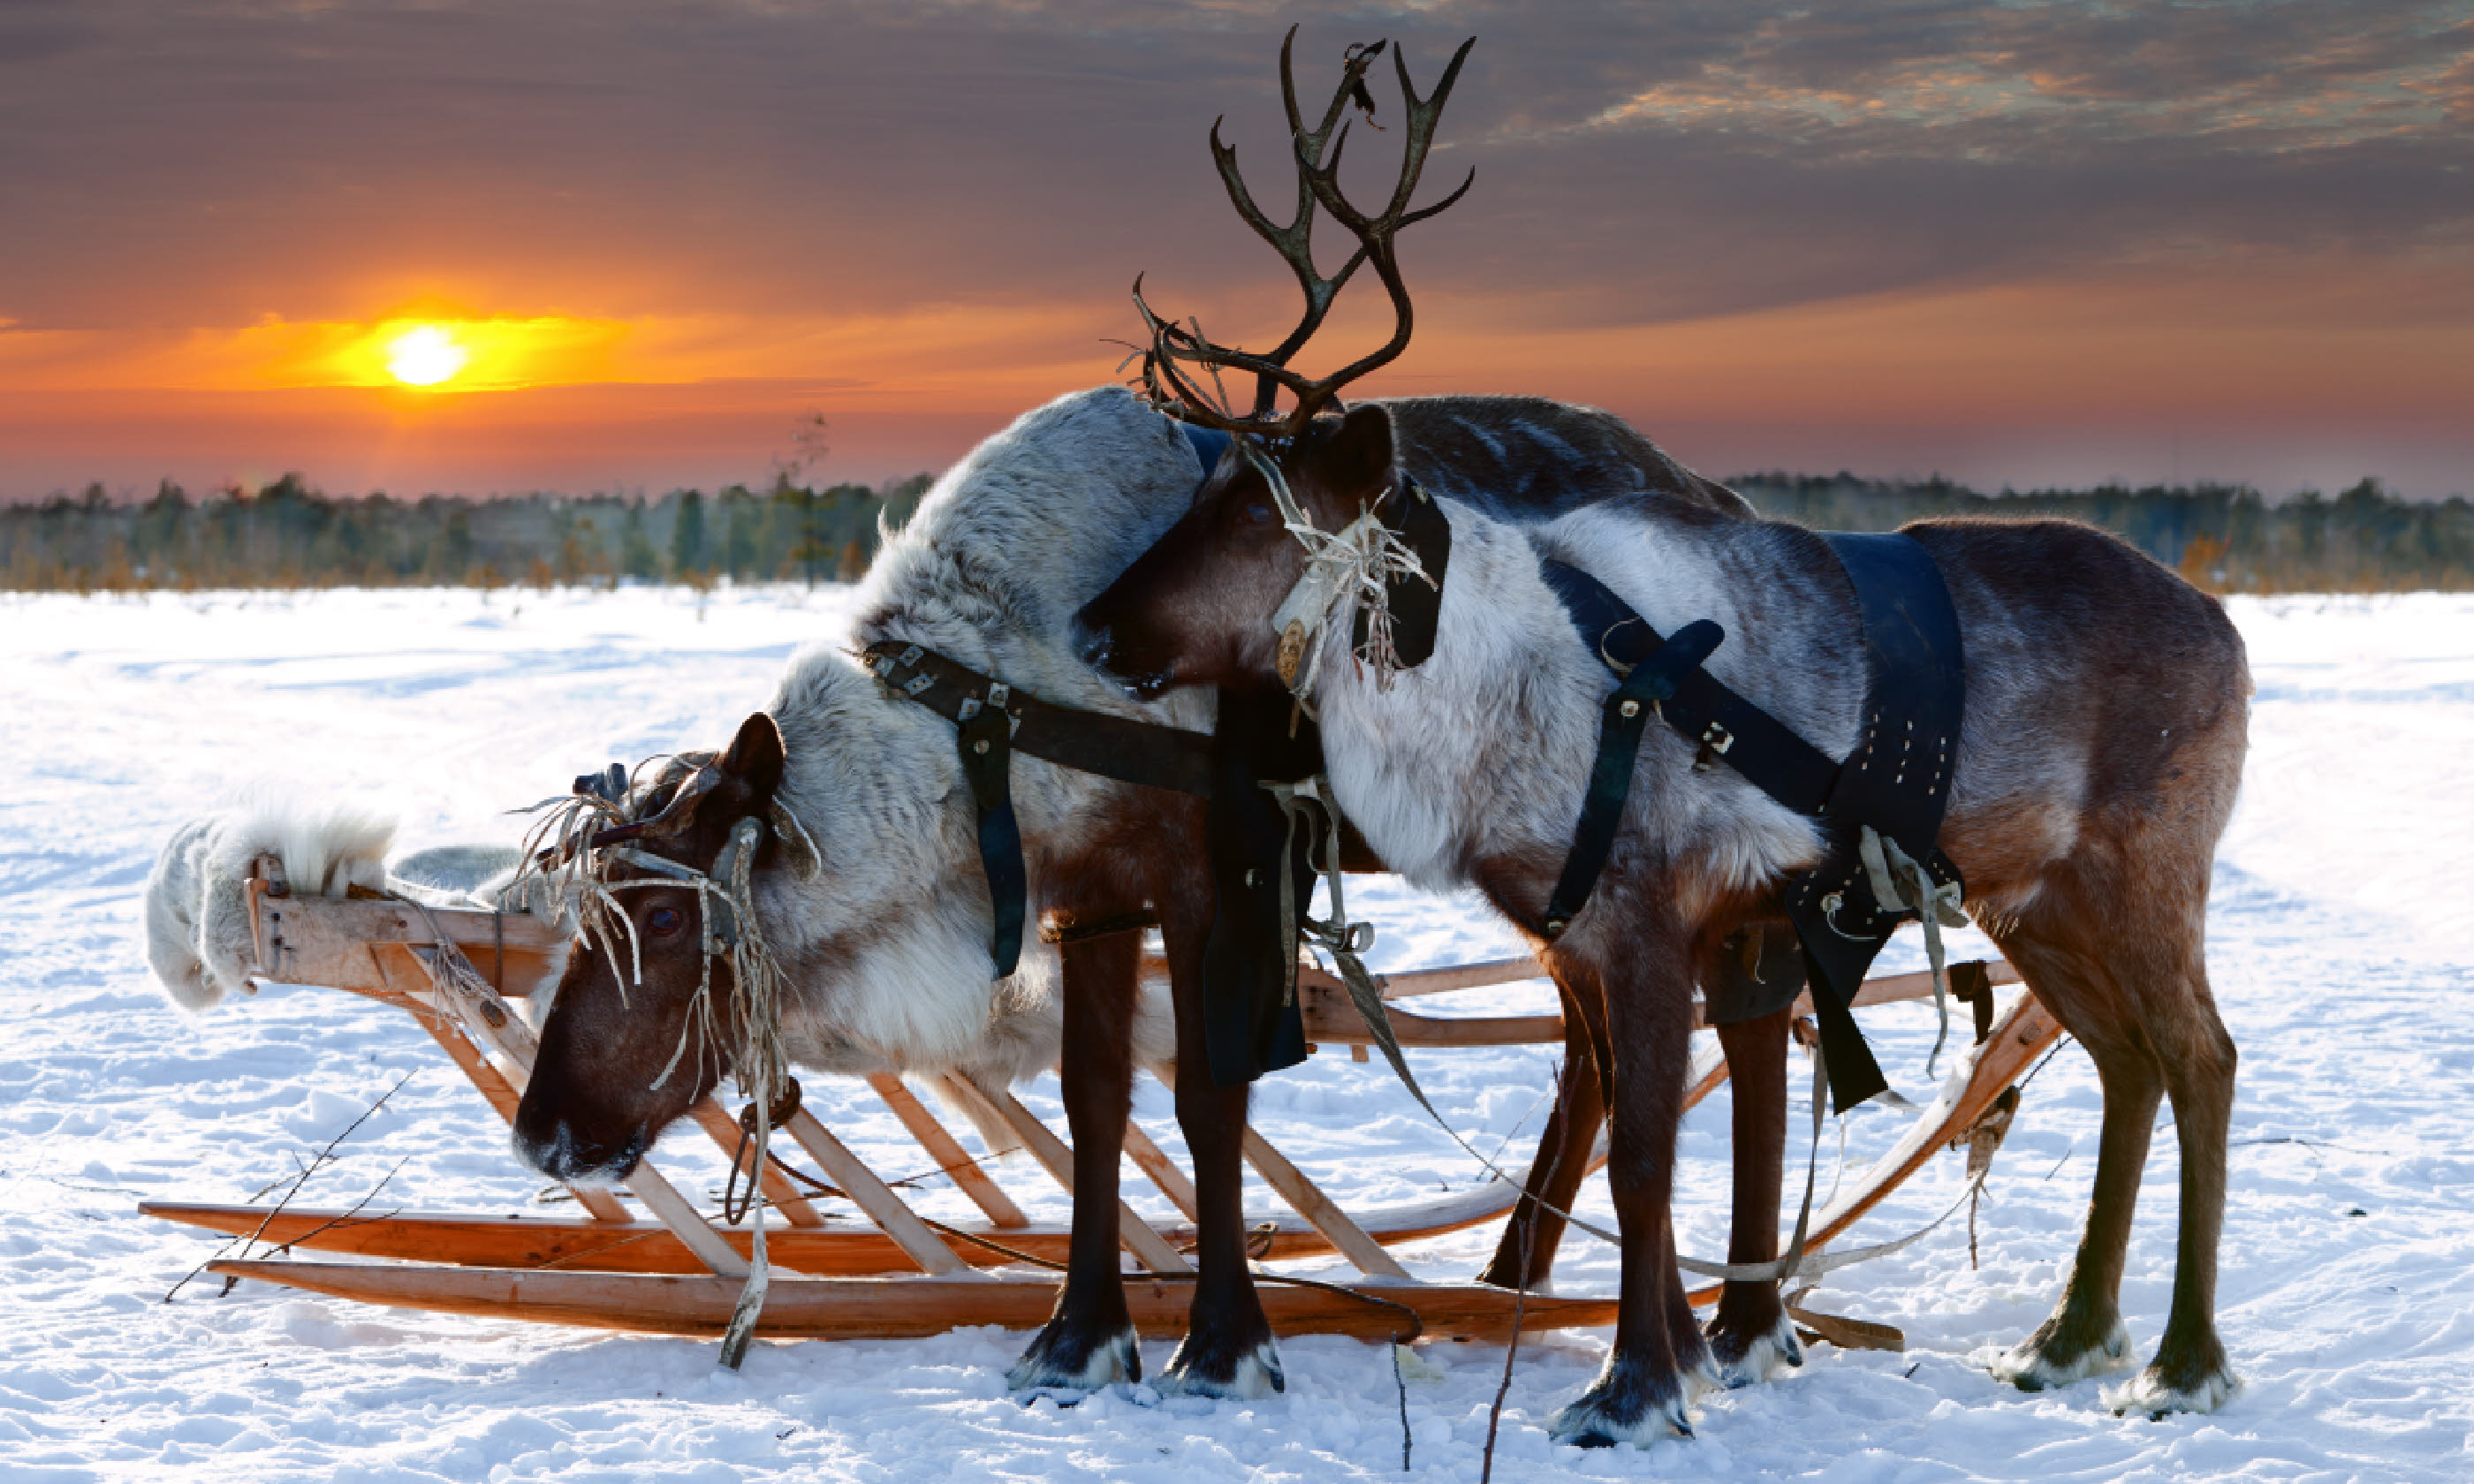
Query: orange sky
[2048, 242]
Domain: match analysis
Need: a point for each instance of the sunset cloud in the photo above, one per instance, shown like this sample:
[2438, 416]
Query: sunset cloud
[931, 211]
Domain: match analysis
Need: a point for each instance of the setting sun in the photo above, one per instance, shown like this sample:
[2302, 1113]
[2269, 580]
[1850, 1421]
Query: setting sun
[424, 356]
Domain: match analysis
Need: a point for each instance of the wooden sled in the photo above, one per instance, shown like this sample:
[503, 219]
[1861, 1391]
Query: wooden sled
[895, 1274]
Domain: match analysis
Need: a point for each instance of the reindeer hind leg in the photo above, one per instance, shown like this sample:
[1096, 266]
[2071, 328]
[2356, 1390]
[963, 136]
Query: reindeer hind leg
[2084, 1335]
[2190, 1371]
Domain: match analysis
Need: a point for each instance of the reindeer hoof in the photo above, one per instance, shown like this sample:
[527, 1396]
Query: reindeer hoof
[2047, 1360]
[2152, 1394]
[1195, 1371]
[1613, 1411]
[1748, 1360]
[1062, 1359]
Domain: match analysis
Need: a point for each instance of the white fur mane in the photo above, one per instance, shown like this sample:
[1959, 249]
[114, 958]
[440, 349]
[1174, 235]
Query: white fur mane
[890, 942]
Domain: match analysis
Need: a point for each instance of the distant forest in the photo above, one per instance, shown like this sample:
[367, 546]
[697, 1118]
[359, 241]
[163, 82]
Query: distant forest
[2227, 539]
[288, 535]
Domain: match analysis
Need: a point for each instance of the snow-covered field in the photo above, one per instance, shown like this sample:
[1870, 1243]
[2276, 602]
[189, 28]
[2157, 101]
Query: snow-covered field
[2339, 932]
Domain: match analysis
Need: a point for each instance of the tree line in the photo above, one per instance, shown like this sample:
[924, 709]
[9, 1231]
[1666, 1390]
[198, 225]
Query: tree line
[289, 535]
[2225, 538]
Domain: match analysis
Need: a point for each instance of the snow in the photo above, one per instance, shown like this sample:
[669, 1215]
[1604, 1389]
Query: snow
[2336, 934]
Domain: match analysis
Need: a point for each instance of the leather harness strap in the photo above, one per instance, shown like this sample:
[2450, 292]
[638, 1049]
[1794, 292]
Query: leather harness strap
[992, 721]
[1897, 782]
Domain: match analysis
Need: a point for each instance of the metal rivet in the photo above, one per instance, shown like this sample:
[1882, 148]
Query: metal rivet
[1554, 927]
[1630, 708]
[980, 745]
[1249, 875]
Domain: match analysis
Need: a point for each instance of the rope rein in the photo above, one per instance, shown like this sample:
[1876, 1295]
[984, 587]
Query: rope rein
[571, 851]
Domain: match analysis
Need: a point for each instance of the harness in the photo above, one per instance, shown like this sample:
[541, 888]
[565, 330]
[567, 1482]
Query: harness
[1880, 809]
[1262, 841]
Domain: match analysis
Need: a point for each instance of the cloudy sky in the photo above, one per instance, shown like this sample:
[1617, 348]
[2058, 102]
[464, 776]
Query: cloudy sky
[2021, 243]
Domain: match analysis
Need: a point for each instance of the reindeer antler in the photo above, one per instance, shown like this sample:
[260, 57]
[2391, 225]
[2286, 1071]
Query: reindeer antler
[1165, 380]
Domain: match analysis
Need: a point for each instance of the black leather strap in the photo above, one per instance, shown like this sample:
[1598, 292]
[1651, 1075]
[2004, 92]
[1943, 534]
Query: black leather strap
[1416, 606]
[1730, 729]
[993, 721]
[1113, 747]
[1897, 782]
[988, 759]
[1627, 712]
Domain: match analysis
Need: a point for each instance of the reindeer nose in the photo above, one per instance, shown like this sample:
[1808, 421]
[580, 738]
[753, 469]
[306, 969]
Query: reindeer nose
[564, 1156]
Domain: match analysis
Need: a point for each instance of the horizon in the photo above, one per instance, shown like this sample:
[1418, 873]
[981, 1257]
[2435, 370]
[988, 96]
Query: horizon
[557, 248]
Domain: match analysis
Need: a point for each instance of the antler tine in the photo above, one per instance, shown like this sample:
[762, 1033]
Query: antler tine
[1163, 378]
[1375, 235]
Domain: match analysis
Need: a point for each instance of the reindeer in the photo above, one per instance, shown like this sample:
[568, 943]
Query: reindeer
[2104, 729]
[873, 894]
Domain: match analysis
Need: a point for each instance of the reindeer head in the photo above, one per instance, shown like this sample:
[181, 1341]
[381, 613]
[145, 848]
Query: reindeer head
[1196, 607]
[625, 1054]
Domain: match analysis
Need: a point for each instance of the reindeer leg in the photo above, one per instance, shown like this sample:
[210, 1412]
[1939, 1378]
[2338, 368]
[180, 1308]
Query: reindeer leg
[1646, 987]
[2084, 1335]
[1563, 1157]
[2190, 1373]
[1227, 1350]
[1089, 1341]
[1750, 1335]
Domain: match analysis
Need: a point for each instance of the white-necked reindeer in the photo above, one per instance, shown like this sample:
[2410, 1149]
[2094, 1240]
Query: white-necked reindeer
[2105, 714]
[2103, 747]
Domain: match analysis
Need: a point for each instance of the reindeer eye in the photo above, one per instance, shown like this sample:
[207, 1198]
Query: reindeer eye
[1257, 513]
[663, 921]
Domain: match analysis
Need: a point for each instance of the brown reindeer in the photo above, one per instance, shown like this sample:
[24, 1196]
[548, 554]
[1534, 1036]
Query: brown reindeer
[2101, 750]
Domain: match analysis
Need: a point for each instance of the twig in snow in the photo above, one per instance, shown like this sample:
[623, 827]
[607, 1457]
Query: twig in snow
[326, 1156]
[1519, 1311]
[356, 1209]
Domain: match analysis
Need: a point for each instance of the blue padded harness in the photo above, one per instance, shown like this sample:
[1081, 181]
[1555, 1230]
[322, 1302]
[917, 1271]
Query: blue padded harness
[1897, 782]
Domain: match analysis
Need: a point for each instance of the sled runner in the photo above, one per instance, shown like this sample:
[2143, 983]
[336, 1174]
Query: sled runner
[892, 1273]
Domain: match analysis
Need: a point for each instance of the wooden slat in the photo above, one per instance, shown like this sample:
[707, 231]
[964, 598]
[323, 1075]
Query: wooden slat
[942, 1147]
[872, 1196]
[322, 940]
[1309, 1201]
[2020, 1035]
[894, 1308]
[1331, 1018]
[1154, 1161]
[848, 1248]
[1145, 1244]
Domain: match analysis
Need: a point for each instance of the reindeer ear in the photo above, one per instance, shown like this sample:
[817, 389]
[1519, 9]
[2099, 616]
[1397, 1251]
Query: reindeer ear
[755, 757]
[1356, 462]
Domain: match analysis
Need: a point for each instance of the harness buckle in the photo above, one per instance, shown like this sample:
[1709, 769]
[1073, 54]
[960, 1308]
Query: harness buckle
[917, 683]
[969, 709]
[910, 657]
[999, 694]
[1715, 742]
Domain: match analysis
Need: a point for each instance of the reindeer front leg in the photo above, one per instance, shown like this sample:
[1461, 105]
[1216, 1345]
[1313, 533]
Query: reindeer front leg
[1638, 963]
[1750, 1334]
[1227, 1350]
[1089, 1340]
